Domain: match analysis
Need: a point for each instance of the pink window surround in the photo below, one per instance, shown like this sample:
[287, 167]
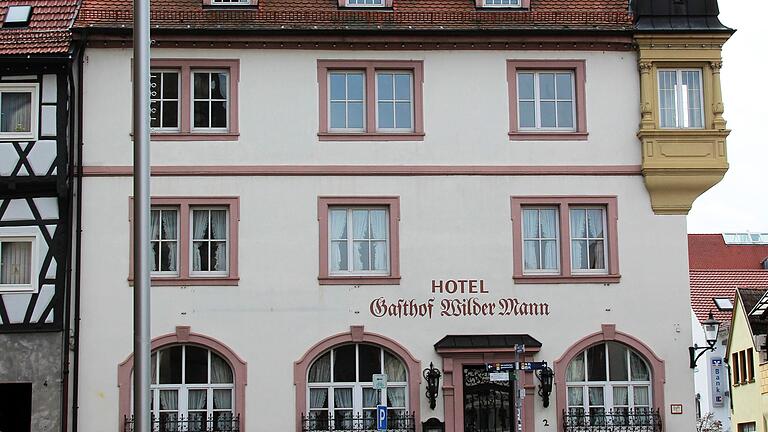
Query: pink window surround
[345, 4]
[454, 361]
[370, 67]
[524, 4]
[608, 333]
[393, 204]
[578, 68]
[186, 67]
[357, 334]
[563, 205]
[183, 336]
[185, 205]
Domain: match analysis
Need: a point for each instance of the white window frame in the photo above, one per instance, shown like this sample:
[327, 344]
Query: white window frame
[161, 240]
[537, 100]
[357, 386]
[15, 234]
[161, 99]
[608, 385]
[394, 100]
[346, 101]
[381, 3]
[183, 389]
[191, 245]
[230, 2]
[351, 240]
[556, 270]
[681, 102]
[192, 100]
[34, 90]
[604, 238]
[489, 4]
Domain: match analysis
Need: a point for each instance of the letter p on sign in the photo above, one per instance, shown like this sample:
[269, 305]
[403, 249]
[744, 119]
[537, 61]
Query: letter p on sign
[381, 417]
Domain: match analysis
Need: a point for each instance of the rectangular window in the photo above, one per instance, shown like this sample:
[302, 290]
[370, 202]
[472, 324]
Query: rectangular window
[743, 367]
[562, 239]
[501, 3]
[370, 100]
[680, 98]
[193, 241]
[359, 240]
[547, 99]
[229, 2]
[540, 240]
[735, 368]
[194, 100]
[165, 91]
[748, 427]
[750, 365]
[588, 239]
[18, 111]
[18, 258]
[365, 3]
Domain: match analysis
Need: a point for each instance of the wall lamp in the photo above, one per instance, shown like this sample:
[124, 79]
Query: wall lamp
[545, 377]
[432, 376]
[711, 328]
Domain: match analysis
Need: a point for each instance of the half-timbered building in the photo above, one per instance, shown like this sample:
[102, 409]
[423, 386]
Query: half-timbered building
[471, 212]
[36, 137]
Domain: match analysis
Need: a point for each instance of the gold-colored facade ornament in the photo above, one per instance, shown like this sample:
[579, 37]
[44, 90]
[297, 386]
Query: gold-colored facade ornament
[681, 163]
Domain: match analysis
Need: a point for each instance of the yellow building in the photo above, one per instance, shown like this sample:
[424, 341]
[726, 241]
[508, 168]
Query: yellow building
[748, 362]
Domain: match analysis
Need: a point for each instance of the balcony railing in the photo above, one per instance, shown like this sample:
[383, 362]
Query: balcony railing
[395, 423]
[218, 422]
[617, 420]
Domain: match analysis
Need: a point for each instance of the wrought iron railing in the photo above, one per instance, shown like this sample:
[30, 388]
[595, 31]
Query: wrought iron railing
[616, 420]
[217, 422]
[322, 422]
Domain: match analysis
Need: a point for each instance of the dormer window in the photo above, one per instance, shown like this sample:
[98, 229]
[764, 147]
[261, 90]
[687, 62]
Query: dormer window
[365, 3]
[230, 2]
[502, 3]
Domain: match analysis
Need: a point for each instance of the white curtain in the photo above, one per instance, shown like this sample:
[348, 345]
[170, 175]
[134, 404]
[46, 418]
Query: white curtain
[641, 396]
[169, 400]
[575, 396]
[318, 398]
[575, 371]
[394, 368]
[396, 397]
[169, 232]
[379, 232]
[321, 369]
[200, 229]
[16, 112]
[219, 231]
[154, 232]
[196, 399]
[578, 224]
[221, 373]
[638, 369]
[371, 398]
[530, 223]
[595, 223]
[360, 232]
[620, 396]
[338, 225]
[342, 398]
[16, 261]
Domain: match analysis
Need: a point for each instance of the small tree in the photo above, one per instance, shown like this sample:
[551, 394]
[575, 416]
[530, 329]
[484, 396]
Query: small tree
[708, 423]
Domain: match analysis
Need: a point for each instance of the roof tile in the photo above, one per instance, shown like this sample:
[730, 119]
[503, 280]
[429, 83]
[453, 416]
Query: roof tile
[48, 31]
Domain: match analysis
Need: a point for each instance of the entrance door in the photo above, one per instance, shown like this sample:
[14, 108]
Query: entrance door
[488, 406]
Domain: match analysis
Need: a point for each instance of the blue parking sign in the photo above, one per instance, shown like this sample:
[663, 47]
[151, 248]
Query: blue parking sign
[381, 417]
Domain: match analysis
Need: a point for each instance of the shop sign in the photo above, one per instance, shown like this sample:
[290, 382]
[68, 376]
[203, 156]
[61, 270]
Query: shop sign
[716, 370]
[458, 298]
[498, 376]
[379, 381]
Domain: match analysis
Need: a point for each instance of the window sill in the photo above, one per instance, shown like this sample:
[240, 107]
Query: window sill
[193, 281]
[548, 136]
[334, 136]
[573, 279]
[221, 136]
[359, 280]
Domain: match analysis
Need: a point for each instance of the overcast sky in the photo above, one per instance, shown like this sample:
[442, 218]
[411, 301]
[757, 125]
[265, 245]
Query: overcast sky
[740, 201]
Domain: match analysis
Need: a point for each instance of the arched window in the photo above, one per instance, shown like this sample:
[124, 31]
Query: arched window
[192, 389]
[340, 389]
[609, 382]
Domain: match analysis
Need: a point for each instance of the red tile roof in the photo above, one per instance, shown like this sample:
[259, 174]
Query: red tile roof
[709, 252]
[48, 29]
[310, 15]
[709, 284]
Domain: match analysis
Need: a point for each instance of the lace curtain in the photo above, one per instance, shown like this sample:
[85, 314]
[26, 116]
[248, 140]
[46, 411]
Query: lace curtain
[16, 110]
[394, 368]
[320, 372]
[219, 232]
[200, 229]
[221, 373]
[169, 232]
[16, 260]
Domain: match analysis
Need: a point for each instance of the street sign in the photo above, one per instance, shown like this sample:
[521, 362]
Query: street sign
[519, 348]
[529, 366]
[500, 367]
[381, 417]
[379, 381]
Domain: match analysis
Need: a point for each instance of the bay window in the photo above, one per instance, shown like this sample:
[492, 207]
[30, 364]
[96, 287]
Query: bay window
[680, 98]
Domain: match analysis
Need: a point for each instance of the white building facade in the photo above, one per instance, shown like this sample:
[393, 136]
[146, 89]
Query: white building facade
[328, 215]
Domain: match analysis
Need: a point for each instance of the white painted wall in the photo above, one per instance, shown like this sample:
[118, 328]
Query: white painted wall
[466, 112]
[703, 375]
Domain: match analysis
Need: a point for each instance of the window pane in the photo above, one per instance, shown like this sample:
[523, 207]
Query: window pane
[403, 87]
[154, 114]
[361, 255]
[219, 256]
[596, 363]
[197, 399]
[219, 87]
[15, 112]
[575, 396]
[339, 257]
[532, 254]
[338, 86]
[530, 223]
[386, 115]
[170, 114]
[548, 114]
[169, 400]
[355, 115]
[667, 98]
[617, 362]
[564, 86]
[344, 364]
[379, 224]
[369, 362]
[200, 256]
[575, 371]
[579, 254]
[201, 85]
[338, 224]
[548, 218]
[170, 85]
[222, 399]
[549, 254]
[578, 223]
[221, 373]
[565, 114]
[320, 372]
[201, 114]
[596, 396]
[638, 368]
[527, 114]
[16, 262]
[596, 254]
[621, 395]
[385, 86]
[170, 365]
[595, 223]
[342, 397]
[525, 85]
[396, 397]
[360, 224]
[403, 115]
[155, 84]
[338, 115]
[394, 368]
[200, 224]
[196, 365]
[167, 258]
[379, 255]
[355, 85]
[219, 224]
[318, 398]
[219, 114]
[547, 86]
[641, 395]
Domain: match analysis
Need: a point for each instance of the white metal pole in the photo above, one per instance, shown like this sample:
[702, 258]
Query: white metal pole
[141, 241]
